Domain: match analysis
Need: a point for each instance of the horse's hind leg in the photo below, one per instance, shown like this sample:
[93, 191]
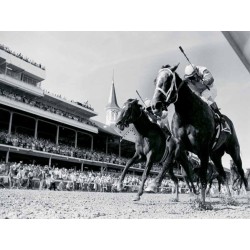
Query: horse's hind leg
[234, 152]
[216, 158]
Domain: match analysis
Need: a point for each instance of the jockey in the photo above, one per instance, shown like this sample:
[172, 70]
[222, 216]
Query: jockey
[149, 112]
[162, 121]
[201, 82]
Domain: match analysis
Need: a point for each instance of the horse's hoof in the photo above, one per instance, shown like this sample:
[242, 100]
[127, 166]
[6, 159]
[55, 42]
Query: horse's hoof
[119, 188]
[137, 198]
[151, 189]
[205, 207]
[201, 206]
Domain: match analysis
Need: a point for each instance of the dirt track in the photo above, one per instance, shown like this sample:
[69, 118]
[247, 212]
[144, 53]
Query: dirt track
[34, 204]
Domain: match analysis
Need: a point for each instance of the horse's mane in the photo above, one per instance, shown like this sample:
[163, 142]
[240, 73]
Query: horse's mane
[131, 99]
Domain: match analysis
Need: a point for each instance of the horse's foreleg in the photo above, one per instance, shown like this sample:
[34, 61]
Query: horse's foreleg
[187, 166]
[145, 174]
[175, 180]
[136, 159]
[203, 174]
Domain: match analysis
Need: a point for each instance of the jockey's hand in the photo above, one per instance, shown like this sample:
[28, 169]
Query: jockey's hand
[164, 107]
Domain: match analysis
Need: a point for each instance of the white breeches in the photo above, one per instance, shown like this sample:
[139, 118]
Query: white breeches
[209, 95]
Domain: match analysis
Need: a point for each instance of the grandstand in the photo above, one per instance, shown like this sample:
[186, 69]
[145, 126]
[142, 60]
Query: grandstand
[38, 127]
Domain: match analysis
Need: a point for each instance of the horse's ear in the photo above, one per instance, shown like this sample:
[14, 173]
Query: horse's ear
[174, 67]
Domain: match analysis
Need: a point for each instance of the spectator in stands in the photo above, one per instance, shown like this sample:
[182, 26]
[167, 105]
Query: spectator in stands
[19, 177]
[30, 178]
[11, 174]
[42, 178]
[52, 181]
[60, 186]
[69, 186]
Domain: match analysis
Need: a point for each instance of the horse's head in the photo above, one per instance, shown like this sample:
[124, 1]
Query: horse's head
[130, 112]
[166, 91]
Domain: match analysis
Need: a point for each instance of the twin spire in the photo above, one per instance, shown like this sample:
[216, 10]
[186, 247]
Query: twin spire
[112, 108]
[112, 102]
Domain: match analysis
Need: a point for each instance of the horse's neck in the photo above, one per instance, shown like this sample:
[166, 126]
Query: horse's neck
[187, 100]
[142, 124]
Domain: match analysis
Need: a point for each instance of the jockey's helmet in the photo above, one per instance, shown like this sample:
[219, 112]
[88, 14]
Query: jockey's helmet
[190, 70]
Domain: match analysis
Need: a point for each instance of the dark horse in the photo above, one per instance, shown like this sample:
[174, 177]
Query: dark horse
[151, 146]
[194, 125]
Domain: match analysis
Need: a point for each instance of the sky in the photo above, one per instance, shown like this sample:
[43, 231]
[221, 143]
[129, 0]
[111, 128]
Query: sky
[80, 65]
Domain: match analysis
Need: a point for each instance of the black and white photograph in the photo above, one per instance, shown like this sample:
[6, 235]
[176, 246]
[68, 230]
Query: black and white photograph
[93, 120]
[124, 124]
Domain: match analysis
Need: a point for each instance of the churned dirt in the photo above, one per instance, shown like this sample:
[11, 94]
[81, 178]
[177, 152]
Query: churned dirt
[34, 204]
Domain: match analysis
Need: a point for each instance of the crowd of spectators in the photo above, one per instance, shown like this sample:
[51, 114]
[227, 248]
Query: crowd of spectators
[19, 55]
[34, 103]
[84, 104]
[45, 145]
[32, 176]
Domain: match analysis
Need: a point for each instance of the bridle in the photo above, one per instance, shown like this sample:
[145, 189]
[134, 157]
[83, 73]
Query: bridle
[172, 88]
[127, 120]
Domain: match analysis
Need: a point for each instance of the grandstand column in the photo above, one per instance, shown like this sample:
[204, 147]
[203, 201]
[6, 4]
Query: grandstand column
[50, 161]
[92, 142]
[107, 140]
[57, 135]
[10, 123]
[36, 126]
[7, 156]
[76, 140]
[5, 71]
[119, 148]
[82, 166]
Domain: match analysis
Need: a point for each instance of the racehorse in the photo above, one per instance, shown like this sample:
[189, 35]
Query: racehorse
[151, 146]
[194, 125]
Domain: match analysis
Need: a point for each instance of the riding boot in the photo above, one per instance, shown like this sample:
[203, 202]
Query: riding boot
[216, 110]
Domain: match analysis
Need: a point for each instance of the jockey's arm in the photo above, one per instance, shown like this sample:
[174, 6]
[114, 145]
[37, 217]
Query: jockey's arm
[207, 78]
[151, 115]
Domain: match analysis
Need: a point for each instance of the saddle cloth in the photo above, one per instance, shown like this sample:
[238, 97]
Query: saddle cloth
[219, 128]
